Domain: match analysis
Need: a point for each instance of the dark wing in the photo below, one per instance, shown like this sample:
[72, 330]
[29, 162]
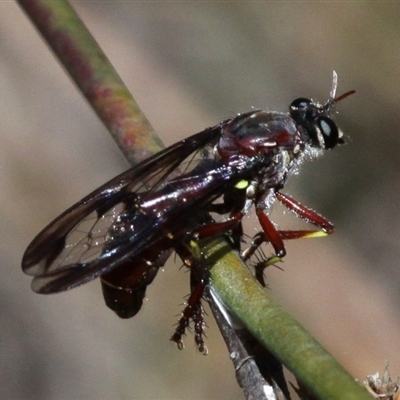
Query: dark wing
[71, 249]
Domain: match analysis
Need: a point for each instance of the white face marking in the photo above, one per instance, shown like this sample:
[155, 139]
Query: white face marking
[321, 140]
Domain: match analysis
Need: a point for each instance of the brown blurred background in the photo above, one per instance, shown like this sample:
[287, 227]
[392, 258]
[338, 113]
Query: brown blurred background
[189, 65]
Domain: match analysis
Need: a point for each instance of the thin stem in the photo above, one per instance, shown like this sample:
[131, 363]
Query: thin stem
[95, 76]
[277, 330]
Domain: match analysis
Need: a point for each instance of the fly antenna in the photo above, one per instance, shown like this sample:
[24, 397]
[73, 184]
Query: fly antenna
[344, 95]
[332, 100]
[332, 94]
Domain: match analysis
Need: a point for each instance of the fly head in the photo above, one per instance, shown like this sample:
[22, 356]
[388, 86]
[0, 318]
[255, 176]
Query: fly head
[314, 119]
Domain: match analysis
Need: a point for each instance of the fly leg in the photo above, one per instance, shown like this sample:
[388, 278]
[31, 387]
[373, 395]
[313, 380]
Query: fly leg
[307, 214]
[261, 238]
[233, 204]
[190, 253]
[199, 277]
[277, 237]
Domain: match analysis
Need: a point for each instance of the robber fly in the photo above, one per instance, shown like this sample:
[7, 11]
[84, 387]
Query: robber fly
[125, 231]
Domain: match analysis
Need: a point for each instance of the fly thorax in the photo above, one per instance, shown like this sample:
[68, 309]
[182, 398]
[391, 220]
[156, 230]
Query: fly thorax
[251, 192]
[284, 162]
[269, 199]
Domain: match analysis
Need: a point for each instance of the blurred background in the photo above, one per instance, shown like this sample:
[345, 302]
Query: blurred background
[190, 65]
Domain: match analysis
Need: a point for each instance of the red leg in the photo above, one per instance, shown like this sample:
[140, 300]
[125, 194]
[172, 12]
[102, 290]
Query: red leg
[271, 233]
[261, 238]
[193, 311]
[276, 238]
[214, 228]
[305, 213]
[199, 276]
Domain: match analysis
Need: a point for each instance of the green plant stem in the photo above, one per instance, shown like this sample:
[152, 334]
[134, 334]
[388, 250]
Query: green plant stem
[278, 330]
[82, 58]
[95, 76]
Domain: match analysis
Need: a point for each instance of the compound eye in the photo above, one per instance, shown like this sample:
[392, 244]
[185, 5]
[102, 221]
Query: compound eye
[298, 109]
[300, 103]
[328, 133]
